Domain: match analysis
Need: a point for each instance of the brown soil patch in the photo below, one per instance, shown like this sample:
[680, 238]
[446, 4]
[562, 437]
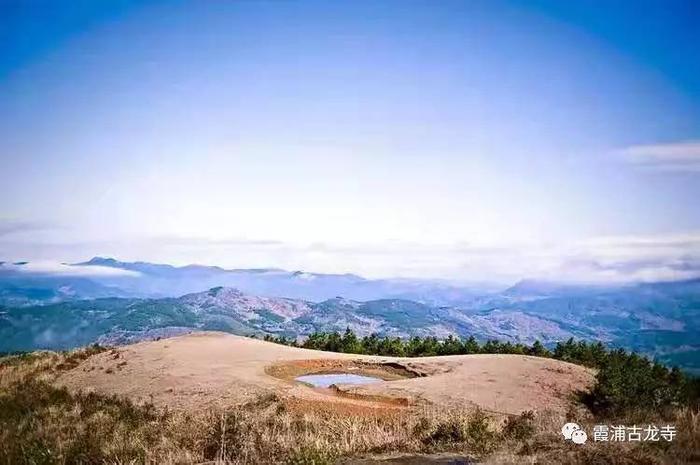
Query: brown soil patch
[386, 397]
[386, 371]
[383, 370]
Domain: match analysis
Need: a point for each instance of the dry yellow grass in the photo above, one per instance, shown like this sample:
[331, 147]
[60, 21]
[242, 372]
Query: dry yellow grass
[41, 423]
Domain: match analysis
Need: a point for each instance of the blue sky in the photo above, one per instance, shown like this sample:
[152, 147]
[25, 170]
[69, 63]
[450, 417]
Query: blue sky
[462, 140]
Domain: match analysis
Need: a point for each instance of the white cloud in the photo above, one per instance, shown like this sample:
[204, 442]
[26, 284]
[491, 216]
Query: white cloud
[620, 259]
[63, 269]
[677, 156]
[608, 259]
[600, 260]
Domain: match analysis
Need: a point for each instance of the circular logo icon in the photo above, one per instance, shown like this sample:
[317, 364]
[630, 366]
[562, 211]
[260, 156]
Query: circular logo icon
[568, 429]
[579, 436]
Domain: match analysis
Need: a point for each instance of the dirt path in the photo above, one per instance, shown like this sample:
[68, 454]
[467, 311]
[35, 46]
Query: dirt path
[203, 369]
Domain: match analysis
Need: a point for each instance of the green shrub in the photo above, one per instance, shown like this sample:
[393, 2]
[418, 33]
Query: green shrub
[520, 427]
[473, 430]
[630, 385]
[480, 438]
[449, 431]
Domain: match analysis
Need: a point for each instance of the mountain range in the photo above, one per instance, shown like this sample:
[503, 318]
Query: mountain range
[59, 311]
[19, 285]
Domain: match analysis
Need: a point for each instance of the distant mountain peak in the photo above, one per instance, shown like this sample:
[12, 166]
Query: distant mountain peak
[221, 291]
[102, 261]
[304, 275]
[339, 300]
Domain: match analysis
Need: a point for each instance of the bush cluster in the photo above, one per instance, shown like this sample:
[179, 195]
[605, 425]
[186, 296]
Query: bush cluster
[374, 344]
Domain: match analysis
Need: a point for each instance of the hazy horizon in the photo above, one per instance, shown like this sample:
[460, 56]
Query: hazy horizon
[467, 141]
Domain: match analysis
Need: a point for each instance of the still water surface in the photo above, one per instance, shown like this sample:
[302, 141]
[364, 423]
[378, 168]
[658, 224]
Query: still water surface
[338, 378]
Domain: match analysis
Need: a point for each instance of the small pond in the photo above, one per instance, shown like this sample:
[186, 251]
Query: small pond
[325, 381]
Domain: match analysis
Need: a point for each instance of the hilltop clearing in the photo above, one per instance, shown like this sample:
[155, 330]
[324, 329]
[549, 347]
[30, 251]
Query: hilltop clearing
[216, 368]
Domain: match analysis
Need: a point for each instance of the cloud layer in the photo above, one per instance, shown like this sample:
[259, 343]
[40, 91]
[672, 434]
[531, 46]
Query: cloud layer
[48, 268]
[678, 156]
[600, 260]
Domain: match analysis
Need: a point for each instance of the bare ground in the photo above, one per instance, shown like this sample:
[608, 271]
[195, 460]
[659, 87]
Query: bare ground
[217, 369]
